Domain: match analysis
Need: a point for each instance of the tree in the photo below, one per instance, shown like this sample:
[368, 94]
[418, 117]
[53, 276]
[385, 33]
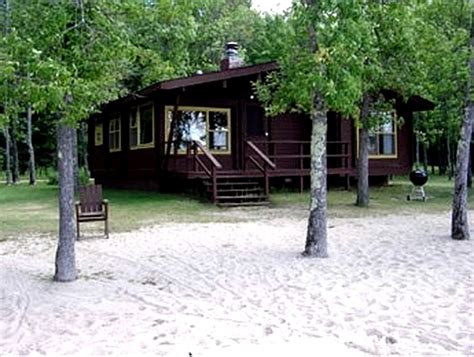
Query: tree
[459, 220]
[81, 49]
[441, 41]
[318, 72]
[390, 63]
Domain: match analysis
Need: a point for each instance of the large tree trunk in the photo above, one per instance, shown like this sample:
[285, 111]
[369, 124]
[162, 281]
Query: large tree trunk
[316, 237]
[14, 151]
[29, 141]
[8, 165]
[459, 219]
[65, 255]
[363, 160]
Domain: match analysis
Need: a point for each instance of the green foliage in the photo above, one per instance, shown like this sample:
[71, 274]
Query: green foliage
[69, 62]
[172, 38]
[52, 177]
[443, 46]
[319, 56]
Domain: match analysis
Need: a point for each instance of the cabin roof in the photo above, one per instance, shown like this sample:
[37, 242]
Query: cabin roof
[197, 79]
[416, 103]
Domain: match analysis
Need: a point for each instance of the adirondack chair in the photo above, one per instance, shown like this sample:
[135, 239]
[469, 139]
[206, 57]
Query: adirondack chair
[92, 207]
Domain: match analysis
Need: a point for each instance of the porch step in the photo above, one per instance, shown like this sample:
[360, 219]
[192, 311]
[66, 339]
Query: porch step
[234, 191]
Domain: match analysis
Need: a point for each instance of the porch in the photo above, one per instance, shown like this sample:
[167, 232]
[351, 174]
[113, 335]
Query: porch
[247, 181]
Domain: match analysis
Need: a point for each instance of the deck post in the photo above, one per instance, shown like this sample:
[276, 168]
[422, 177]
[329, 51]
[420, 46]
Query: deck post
[267, 183]
[301, 157]
[214, 185]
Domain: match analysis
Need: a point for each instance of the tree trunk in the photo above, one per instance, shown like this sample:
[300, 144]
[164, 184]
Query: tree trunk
[363, 160]
[14, 152]
[425, 157]
[8, 165]
[29, 141]
[459, 219]
[75, 161]
[316, 237]
[449, 156]
[442, 157]
[65, 255]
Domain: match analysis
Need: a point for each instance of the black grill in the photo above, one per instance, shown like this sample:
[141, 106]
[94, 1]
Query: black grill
[418, 177]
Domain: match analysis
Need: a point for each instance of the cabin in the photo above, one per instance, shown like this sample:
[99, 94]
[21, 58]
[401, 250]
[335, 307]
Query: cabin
[208, 132]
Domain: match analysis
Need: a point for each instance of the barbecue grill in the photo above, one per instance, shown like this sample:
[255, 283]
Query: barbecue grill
[418, 178]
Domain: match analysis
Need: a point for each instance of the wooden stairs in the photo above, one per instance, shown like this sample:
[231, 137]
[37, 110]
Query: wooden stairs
[237, 191]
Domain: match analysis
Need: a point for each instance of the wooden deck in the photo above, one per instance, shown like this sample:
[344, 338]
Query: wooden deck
[263, 161]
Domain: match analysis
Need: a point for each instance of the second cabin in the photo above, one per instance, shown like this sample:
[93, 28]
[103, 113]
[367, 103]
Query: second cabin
[208, 131]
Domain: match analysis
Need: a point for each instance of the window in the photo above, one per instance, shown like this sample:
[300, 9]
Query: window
[114, 134]
[209, 126]
[383, 139]
[142, 127]
[98, 134]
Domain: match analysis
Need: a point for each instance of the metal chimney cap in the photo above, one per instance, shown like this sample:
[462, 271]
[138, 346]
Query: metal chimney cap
[232, 45]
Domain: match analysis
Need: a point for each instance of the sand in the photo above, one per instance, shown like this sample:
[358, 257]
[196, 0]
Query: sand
[392, 285]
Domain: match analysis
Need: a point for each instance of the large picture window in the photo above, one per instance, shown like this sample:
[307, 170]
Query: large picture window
[114, 134]
[209, 126]
[383, 138]
[142, 127]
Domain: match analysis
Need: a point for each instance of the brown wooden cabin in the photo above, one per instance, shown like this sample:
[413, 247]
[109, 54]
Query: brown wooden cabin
[226, 145]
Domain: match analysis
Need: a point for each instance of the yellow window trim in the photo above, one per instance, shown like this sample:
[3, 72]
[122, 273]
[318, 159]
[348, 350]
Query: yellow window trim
[206, 110]
[98, 134]
[395, 134]
[118, 130]
[137, 125]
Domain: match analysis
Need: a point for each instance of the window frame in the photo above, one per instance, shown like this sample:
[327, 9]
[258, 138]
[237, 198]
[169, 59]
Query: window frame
[136, 111]
[117, 130]
[206, 110]
[98, 139]
[379, 132]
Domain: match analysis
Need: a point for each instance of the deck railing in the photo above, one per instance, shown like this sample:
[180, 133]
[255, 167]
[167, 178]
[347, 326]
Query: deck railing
[196, 158]
[296, 154]
[210, 170]
[261, 161]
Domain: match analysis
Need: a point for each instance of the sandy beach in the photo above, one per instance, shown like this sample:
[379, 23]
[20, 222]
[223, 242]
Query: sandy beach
[392, 285]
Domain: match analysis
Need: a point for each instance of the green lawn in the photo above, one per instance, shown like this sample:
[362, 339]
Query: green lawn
[26, 209]
[383, 200]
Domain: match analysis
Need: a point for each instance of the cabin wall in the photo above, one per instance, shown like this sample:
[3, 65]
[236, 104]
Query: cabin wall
[143, 168]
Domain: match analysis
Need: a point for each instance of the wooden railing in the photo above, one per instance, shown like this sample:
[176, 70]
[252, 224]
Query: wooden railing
[210, 170]
[281, 152]
[254, 154]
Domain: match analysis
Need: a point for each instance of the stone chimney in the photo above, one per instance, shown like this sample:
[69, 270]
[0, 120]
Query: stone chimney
[231, 57]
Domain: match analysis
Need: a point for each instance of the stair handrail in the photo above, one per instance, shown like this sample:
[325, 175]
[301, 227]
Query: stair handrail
[263, 168]
[212, 171]
[260, 154]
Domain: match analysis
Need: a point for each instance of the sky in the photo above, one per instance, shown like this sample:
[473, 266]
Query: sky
[271, 6]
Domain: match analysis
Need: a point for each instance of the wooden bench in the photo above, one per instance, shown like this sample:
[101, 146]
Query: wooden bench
[91, 207]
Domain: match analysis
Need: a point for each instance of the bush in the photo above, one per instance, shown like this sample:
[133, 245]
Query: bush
[53, 178]
[84, 178]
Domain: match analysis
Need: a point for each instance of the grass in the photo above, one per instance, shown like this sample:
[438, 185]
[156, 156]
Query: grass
[391, 198]
[25, 209]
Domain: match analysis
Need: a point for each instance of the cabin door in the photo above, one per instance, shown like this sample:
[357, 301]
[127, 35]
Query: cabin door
[256, 127]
